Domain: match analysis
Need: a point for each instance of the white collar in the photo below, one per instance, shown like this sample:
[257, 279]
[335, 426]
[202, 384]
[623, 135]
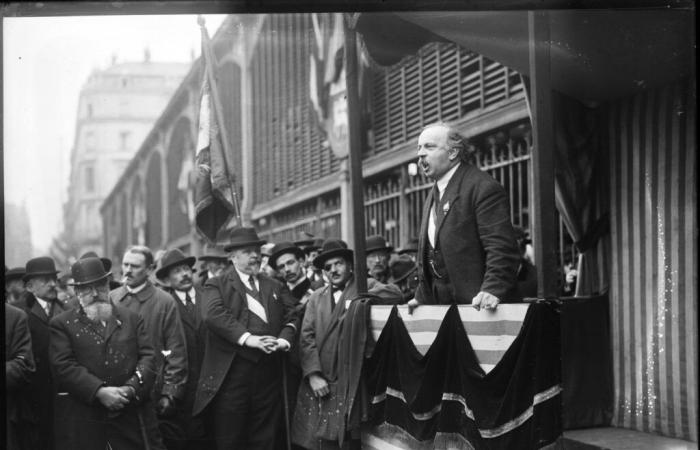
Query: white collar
[42, 302]
[292, 286]
[445, 179]
[244, 277]
[137, 289]
[182, 295]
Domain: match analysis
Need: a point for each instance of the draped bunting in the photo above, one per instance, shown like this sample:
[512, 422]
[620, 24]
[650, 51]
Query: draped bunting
[580, 187]
[446, 399]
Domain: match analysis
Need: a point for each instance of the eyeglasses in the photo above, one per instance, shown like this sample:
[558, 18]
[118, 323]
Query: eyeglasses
[82, 291]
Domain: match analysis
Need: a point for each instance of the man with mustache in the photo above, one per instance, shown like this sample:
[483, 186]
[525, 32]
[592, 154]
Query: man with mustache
[102, 362]
[40, 303]
[250, 319]
[378, 253]
[163, 325]
[467, 252]
[183, 431]
[320, 335]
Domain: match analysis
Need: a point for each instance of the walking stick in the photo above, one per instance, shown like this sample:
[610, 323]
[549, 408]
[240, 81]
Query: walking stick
[144, 436]
[286, 404]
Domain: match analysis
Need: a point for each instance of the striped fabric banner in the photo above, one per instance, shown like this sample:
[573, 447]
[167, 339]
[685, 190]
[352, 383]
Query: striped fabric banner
[651, 139]
[490, 332]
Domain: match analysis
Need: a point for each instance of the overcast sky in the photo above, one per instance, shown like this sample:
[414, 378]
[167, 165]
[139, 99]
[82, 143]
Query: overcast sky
[46, 60]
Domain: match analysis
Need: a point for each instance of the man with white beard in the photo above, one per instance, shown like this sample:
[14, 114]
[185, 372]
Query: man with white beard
[103, 366]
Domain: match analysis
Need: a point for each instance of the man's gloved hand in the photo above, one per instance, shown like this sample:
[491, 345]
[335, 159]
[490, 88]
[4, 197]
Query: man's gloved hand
[166, 406]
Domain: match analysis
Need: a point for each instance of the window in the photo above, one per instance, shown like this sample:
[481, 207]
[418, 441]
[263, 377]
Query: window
[89, 110]
[89, 141]
[90, 179]
[124, 140]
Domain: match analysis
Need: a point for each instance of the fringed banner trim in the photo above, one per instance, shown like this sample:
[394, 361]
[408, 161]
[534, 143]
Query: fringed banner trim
[486, 433]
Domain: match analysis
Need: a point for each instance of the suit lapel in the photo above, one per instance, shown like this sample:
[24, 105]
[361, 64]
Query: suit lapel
[187, 318]
[265, 294]
[39, 312]
[450, 195]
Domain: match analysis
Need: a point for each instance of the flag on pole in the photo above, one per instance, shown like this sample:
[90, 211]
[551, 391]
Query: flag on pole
[214, 190]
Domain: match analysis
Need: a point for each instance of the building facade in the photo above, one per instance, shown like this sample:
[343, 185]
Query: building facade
[116, 109]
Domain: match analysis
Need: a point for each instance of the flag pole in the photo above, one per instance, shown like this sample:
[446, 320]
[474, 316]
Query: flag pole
[209, 69]
[355, 156]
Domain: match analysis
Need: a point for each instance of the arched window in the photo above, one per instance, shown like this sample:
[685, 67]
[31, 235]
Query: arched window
[180, 162]
[154, 235]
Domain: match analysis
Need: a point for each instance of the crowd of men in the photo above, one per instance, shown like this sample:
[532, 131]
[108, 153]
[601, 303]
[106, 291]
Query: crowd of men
[165, 359]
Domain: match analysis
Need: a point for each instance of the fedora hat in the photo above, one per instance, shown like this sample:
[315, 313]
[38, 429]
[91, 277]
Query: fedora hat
[43, 265]
[401, 267]
[282, 248]
[105, 261]
[411, 247]
[16, 273]
[331, 248]
[172, 258]
[88, 270]
[243, 237]
[213, 252]
[376, 242]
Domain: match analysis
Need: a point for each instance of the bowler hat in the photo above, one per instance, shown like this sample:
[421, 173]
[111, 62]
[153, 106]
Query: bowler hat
[243, 237]
[411, 247]
[16, 273]
[331, 248]
[105, 261]
[43, 265]
[172, 258]
[401, 268]
[282, 248]
[88, 270]
[303, 243]
[213, 252]
[376, 242]
[316, 245]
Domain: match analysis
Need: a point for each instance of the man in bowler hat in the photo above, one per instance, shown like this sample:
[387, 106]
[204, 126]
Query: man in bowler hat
[40, 304]
[378, 253]
[14, 285]
[184, 431]
[102, 361]
[250, 319]
[214, 262]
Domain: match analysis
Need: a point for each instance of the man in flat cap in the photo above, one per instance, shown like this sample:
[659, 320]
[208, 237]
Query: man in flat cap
[102, 361]
[40, 304]
[183, 431]
[163, 325]
[320, 335]
[14, 285]
[250, 319]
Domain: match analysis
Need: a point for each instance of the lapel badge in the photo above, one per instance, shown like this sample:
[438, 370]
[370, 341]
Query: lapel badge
[274, 296]
[446, 207]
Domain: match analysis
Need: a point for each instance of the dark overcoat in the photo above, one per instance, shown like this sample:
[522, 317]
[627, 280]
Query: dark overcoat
[475, 236]
[40, 391]
[19, 366]
[183, 431]
[163, 324]
[225, 311]
[320, 336]
[85, 357]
